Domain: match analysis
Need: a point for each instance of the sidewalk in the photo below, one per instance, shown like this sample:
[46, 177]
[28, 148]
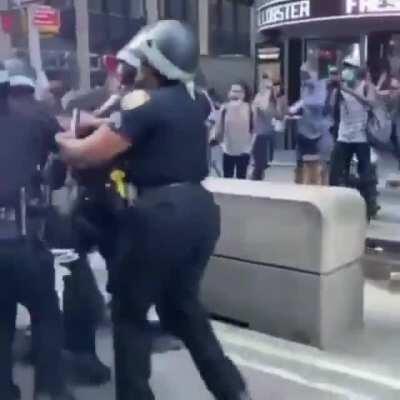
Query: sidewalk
[386, 228]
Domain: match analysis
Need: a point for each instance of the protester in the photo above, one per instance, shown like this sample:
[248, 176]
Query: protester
[388, 91]
[357, 97]
[313, 139]
[332, 104]
[234, 130]
[265, 112]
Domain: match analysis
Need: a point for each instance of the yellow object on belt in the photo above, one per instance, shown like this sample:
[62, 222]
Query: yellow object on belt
[118, 177]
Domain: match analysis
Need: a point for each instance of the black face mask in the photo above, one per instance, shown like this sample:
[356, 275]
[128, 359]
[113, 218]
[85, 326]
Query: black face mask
[334, 84]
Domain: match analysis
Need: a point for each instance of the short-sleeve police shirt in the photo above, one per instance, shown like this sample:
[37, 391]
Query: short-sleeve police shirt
[168, 136]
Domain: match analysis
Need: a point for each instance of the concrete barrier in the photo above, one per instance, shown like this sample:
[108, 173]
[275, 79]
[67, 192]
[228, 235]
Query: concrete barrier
[288, 260]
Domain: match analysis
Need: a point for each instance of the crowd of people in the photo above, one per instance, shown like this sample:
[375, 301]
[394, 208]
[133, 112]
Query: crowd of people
[340, 121]
[245, 128]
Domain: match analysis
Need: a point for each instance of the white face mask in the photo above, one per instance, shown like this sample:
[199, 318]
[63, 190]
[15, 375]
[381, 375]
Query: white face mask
[236, 94]
[266, 85]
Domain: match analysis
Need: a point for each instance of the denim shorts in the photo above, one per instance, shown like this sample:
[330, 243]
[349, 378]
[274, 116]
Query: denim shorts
[306, 147]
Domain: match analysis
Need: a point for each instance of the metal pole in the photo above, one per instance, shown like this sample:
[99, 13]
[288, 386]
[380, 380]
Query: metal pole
[364, 49]
[34, 41]
[152, 11]
[5, 40]
[82, 42]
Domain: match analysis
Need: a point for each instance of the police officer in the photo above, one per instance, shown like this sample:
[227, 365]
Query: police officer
[26, 266]
[96, 202]
[82, 301]
[164, 242]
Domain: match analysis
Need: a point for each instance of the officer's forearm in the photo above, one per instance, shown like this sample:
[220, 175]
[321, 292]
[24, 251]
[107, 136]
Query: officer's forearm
[97, 149]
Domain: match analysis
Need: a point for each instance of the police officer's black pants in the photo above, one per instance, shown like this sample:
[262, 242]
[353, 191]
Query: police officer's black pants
[27, 277]
[83, 303]
[83, 308]
[165, 246]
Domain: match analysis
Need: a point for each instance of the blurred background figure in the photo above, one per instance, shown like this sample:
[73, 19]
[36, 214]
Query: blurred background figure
[314, 141]
[265, 113]
[357, 97]
[234, 129]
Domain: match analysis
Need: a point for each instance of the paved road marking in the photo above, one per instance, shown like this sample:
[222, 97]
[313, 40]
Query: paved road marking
[290, 376]
[317, 361]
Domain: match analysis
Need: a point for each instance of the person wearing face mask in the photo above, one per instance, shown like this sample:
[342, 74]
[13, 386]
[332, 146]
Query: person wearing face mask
[234, 130]
[313, 130]
[357, 97]
[265, 110]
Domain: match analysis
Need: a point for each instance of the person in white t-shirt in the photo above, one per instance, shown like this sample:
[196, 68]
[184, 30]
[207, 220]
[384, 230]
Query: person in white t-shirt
[235, 130]
[357, 96]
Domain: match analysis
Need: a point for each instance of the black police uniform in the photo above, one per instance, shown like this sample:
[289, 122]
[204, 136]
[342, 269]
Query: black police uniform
[83, 305]
[26, 266]
[164, 244]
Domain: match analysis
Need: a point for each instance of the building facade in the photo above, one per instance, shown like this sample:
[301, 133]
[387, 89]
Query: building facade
[224, 28]
[225, 33]
[322, 33]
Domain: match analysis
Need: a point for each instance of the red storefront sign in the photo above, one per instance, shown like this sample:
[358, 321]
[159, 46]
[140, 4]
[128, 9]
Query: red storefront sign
[7, 21]
[47, 19]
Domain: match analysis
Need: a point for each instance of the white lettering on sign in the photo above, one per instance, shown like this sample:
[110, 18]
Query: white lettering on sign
[275, 12]
[372, 6]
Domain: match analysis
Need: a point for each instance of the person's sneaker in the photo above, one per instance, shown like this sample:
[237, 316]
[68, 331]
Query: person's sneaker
[86, 369]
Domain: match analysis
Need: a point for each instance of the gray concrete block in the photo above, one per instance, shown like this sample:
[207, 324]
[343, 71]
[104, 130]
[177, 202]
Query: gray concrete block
[292, 304]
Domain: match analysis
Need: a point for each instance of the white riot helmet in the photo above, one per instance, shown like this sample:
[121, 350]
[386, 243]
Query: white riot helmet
[20, 73]
[170, 47]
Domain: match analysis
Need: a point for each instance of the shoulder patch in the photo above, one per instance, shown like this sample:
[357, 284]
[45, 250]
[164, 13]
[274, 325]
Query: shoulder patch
[134, 100]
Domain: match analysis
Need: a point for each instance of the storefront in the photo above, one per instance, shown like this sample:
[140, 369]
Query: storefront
[323, 33]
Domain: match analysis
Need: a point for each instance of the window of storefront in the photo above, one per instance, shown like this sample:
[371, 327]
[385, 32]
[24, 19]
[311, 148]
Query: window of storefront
[137, 8]
[116, 7]
[323, 53]
[229, 27]
[96, 6]
[184, 10]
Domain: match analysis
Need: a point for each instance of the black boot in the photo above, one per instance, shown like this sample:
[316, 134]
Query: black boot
[86, 369]
[65, 395]
[13, 393]
[82, 314]
[244, 396]
[162, 342]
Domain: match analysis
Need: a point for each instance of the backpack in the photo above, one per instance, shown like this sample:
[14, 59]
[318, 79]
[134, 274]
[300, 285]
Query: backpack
[379, 126]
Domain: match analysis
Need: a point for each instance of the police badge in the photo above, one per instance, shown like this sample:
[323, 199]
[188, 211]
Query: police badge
[134, 100]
